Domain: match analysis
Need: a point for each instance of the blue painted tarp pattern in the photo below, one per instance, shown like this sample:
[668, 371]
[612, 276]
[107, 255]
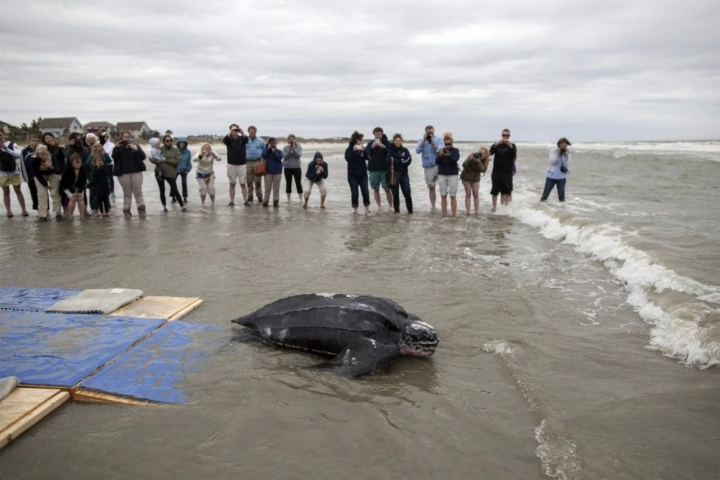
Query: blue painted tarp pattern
[32, 299]
[156, 368]
[61, 350]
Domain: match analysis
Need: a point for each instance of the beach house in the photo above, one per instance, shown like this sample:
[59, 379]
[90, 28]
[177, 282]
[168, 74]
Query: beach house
[96, 127]
[60, 126]
[136, 129]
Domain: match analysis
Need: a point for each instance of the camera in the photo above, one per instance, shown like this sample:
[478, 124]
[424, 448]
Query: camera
[429, 137]
[563, 169]
[476, 155]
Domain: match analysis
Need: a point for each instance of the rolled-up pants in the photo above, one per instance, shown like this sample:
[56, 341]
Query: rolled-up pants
[254, 183]
[131, 184]
[272, 181]
[45, 192]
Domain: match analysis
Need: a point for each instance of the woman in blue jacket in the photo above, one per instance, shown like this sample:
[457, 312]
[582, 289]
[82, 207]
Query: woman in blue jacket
[185, 165]
[356, 159]
[447, 162]
[273, 171]
[399, 159]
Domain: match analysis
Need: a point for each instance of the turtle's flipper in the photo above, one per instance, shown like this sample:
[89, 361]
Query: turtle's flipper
[361, 357]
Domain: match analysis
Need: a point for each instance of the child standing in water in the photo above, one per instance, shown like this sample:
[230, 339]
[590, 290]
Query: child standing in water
[100, 182]
[73, 183]
[157, 157]
[205, 173]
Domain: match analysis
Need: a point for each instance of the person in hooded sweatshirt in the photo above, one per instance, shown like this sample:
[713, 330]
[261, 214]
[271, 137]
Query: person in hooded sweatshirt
[378, 166]
[357, 173]
[400, 159]
[273, 171]
[171, 160]
[75, 145]
[317, 173]
[185, 165]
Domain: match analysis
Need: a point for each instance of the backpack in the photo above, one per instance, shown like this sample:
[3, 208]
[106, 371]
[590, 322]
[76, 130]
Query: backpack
[7, 161]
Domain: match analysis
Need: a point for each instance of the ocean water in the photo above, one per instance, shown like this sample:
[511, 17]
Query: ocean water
[577, 340]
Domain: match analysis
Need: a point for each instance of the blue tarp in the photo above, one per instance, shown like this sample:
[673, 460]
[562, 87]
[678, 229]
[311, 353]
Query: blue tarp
[156, 368]
[32, 299]
[61, 350]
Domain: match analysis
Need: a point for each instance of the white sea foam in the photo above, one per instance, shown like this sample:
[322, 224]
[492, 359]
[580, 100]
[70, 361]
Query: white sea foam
[678, 336]
[557, 455]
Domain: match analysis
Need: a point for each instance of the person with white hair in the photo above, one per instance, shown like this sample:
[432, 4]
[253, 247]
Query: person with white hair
[10, 174]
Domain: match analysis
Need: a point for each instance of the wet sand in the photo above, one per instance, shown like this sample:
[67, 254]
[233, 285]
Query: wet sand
[520, 386]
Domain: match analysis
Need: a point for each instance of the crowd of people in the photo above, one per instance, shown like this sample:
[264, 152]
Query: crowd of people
[81, 175]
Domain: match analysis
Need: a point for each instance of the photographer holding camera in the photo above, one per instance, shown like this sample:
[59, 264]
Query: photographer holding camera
[235, 141]
[129, 163]
[428, 147]
[557, 173]
[505, 153]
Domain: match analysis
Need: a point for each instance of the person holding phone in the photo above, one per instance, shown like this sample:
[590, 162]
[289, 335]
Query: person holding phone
[428, 147]
[378, 166]
[473, 167]
[505, 153]
[293, 167]
[255, 147]
[129, 163]
[357, 173]
[447, 162]
[558, 170]
[235, 141]
[273, 172]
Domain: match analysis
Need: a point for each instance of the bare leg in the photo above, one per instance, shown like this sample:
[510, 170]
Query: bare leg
[443, 205]
[71, 207]
[212, 200]
[468, 193]
[453, 205]
[300, 197]
[505, 199]
[476, 197]
[432, 197]
[322, 200]
[243, 189]
[21, 198]
[202, 199]
[494, 201]
[6, 200]
[376, 194]
[389, 196]
[81, 207]
[232, 192]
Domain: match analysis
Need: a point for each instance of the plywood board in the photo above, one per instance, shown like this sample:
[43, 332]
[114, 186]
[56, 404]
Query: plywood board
[83, 395]
[170, 308]
[24, 407]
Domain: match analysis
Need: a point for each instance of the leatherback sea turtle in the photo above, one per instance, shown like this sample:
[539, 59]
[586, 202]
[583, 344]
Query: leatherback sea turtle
[363, 334]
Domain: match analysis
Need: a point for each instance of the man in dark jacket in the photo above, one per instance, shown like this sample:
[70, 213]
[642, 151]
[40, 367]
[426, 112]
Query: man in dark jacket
[502, 175]
[27, 154]
[235, 142]
[378, 166]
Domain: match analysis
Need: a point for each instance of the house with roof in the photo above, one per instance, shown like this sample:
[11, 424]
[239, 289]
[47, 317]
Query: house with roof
[60, 126]
[5, 127]
[136, 129]
[96, 127]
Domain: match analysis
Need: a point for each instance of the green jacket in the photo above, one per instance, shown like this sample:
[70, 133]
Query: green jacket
[172, 160]
[472, 169]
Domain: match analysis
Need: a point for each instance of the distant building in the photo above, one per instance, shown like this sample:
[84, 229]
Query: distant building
[95, 127]
[5, 127]
[136, 129]
[60, 126]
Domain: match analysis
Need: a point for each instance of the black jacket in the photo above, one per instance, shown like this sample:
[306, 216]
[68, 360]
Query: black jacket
[40, 174]
[356, 160]
[399, 157]
[236, 152]
[377, 157]
[312, 172]
[59, 155]
[100, 186]
[504, 158]
[71, 183]
[26, 155]
[128, 161]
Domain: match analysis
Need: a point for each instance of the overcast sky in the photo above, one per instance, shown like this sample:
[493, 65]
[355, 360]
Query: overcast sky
[588, 70]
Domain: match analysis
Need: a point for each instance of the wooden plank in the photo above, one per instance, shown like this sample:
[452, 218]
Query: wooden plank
[83, 395]
[170, 308]
[24, 407]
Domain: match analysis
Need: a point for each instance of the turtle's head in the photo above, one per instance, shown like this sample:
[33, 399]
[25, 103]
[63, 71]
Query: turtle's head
[417, 338]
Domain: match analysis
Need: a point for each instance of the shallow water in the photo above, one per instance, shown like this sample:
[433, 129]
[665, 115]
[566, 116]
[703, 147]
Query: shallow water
[575, 339]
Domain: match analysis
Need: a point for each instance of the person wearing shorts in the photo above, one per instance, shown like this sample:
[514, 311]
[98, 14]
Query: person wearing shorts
[447, 162]
[10, 175]
[235, 142]
[378, 166]
[428, 147]
[502, 175]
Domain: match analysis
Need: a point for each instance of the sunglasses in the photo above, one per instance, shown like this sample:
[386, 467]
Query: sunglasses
[448, 144]
[506, 135]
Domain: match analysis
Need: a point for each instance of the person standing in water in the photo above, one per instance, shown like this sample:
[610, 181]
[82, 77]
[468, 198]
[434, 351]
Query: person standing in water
[505, 153]
[473, 167]
[235, 142]
[206, 173]
[317, 173]
[254, 148]
[447, 161]
[185, 165]
[357, 173]
[26, 168]
[273, 172]
[428, 147]
[293, 167]
[558, 170]
[378, 166]
[400, 159]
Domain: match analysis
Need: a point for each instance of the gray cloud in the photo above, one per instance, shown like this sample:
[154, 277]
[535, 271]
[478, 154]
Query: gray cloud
[589, 70]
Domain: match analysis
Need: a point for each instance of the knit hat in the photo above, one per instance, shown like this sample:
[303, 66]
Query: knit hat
[317, 155]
